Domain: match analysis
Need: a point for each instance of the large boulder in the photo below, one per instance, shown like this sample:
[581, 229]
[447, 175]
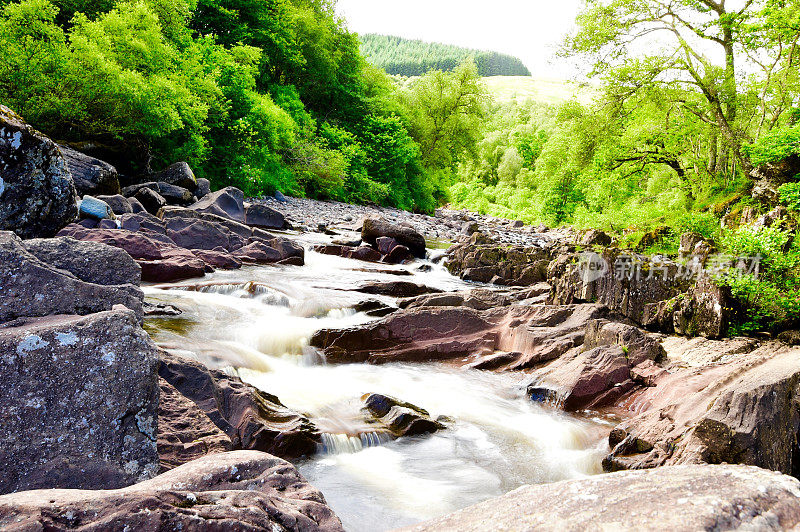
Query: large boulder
[158, 257]
[88, 261]
[419, 335]
[262, 216]
[79, 402]
[228, 203]
[32, 287]
[718, 401]
[242, 491]
[490, 262]
[636, 286]
[202, 234]
[668, 498]
[250, 418]
[91, 175]
[179, 174]
[374, 227]
[37, 195]
[599, 372]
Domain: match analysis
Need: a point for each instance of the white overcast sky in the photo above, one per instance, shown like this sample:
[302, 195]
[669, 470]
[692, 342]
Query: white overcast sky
[528, 29]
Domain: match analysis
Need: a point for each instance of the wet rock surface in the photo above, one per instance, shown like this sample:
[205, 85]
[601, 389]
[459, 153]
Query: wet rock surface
[242, 490]
[79, 402]
[251, 419]
[669, 498]
[398, 417]
[37, 194]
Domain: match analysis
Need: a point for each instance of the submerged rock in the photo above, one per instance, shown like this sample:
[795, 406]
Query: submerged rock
[396, 289]
[667, 498]
[242, 491]
[79, 402]
[37, 195]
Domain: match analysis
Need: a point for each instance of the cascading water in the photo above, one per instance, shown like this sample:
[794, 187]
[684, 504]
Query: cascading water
[259, 320]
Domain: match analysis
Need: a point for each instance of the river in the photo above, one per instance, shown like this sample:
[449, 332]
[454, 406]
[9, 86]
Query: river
[258, 320]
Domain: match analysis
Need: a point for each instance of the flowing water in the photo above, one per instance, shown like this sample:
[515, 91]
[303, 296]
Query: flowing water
[258, 320]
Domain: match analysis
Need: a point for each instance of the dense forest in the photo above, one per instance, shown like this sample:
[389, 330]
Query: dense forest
[262, 94]
[406, 57]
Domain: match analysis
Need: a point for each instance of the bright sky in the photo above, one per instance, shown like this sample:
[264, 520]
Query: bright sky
[528, 29]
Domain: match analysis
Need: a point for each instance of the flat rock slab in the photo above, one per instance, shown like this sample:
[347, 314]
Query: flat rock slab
[242, 491]
[78, 402]
[669, 498]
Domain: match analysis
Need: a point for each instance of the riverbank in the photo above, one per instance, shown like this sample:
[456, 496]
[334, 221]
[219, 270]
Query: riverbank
[180, 357]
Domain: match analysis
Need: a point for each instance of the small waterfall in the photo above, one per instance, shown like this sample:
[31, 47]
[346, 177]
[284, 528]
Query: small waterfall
[246, 290]
[346, 444]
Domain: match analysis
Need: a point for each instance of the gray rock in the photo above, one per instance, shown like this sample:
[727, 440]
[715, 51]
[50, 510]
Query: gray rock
[32, 287]
[203, 188]
[151, 200]
[91, 175]
[91, 262]
[679, 498]
[374, 227]
[175, 195]
[119, 204]
[239, 491]
[179, 174]
[262, 216]
[136, 206]
[228, 203]
[91, 207]
[79, 402]
[37, 195]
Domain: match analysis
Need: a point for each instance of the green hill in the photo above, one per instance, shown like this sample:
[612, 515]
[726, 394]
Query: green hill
[408, 57]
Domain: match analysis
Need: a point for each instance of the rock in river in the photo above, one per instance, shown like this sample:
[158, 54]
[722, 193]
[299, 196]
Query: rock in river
[250, 418]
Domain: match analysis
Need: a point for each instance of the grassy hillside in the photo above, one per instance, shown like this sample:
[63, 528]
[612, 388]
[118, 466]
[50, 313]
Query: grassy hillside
[407, 57]
[505, 89]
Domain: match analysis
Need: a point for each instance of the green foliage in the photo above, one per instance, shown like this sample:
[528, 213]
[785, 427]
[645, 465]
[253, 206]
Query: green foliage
[770, 297]
[265, 95]
[790, 195]
[407, 57]
[775, 146]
